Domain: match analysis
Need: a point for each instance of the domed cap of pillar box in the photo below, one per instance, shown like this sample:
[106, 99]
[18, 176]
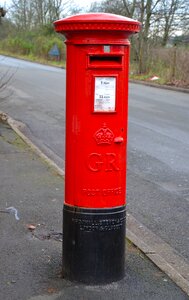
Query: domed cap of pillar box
[97, 22]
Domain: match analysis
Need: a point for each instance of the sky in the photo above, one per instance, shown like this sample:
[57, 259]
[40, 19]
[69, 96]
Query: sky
[84, 2]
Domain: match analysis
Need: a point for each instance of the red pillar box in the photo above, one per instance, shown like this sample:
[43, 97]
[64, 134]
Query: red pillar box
[96, 140]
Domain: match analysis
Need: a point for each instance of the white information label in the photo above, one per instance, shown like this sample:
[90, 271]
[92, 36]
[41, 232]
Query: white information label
[105, 94]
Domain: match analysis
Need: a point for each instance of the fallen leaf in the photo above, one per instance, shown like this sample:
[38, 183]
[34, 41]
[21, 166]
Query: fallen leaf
[31, 227]
[51, 290]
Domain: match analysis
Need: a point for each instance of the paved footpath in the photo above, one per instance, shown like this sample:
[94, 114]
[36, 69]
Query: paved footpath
[31, 201]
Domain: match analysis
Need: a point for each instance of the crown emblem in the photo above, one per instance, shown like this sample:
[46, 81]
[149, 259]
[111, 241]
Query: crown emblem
[104, 135]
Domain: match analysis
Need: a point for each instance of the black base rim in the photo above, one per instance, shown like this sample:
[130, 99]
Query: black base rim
[94, 244]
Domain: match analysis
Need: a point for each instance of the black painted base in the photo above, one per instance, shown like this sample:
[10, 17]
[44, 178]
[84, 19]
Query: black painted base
[94, 244]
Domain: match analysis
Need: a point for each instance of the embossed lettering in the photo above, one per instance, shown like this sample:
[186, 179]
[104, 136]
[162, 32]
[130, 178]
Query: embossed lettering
[107, 162]
[100, 225]
[102, 192]
[110, 192]
[95, 162]
[111, 162]
[91, 192]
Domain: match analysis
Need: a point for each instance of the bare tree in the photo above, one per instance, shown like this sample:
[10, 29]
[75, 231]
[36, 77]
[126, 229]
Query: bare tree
[159, 19]
[55, 9]
[22, 13]
[143, 10]
[29, 14]
[5, 79]
[184, 17]
[168, 17]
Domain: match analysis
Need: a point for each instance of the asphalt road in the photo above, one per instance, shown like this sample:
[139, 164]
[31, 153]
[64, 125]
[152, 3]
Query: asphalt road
[158, 156]
[36, 97]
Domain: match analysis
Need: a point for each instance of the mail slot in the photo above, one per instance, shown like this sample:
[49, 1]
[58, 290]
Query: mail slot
[104, 61]
[94, 210]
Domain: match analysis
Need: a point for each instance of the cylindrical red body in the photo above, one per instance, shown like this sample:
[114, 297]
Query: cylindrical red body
[96, 126]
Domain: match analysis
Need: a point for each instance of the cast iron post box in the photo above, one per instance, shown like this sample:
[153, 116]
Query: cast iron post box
[96, 138]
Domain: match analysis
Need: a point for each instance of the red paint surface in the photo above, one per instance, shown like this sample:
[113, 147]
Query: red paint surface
[96, 142]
